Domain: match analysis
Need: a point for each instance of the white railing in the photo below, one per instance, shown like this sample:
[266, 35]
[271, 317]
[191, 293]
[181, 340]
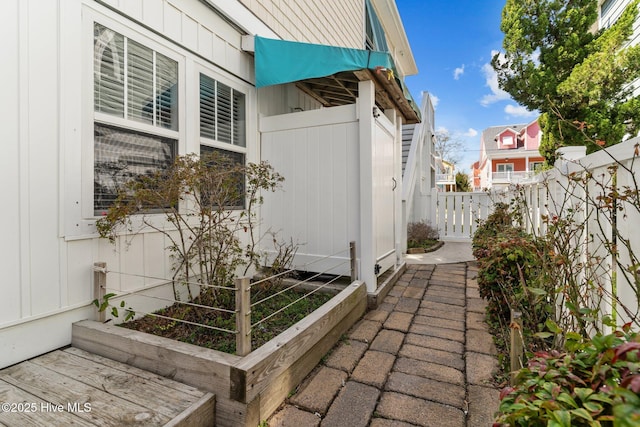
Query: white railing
[445, 178]
[512, 177]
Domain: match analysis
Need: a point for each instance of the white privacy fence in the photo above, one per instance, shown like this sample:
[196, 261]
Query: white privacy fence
[591, 207]
[456, 215]
[599, 195]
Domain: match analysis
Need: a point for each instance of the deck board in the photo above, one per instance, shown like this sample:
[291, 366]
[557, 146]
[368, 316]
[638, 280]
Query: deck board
[14, 395]
[116, 394]
[150, 376]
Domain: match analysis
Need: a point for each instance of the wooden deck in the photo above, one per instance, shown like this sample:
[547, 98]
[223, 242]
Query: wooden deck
[72, 387]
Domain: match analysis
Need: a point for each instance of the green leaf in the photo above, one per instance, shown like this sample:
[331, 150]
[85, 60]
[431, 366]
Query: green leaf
[538, 291]
[552, 326]
[566, 398]
[563, 418]
[582, 413]
[594, 408]
[96, 303]
[583, 393]
[114, 311]
[543, 335]
[122, 304]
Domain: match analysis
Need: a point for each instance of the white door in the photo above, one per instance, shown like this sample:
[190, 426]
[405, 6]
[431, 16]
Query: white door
[385, 187]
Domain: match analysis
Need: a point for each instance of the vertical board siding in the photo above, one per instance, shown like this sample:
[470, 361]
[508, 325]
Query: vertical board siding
[316, 206]
[42, 190]
[9, 161]
[47, 261]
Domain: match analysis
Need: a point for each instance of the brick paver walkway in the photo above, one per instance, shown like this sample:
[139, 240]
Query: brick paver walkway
[422, 358]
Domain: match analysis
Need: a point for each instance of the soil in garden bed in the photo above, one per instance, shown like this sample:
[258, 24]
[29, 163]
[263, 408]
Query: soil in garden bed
[225, 299]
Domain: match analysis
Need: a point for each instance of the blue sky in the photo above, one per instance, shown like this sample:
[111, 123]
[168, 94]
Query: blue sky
[452, 43]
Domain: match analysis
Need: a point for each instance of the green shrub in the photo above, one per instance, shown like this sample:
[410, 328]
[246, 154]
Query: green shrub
[421, 234]
[499, 220]
[508, 268]
[511, 276]
[597, 383]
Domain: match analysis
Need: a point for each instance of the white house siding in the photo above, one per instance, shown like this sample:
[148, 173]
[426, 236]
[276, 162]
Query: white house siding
[610, 11]
[335, 23]
[48, 227]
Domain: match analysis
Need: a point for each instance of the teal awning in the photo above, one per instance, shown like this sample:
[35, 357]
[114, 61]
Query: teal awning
[280, 62]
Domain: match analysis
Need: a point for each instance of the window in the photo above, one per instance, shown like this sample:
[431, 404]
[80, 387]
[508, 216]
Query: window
[536, 166]
[136, 112]
[504, 167]
[507, 140]
[222, 112]
[235, 198]
[223, 127]
[375, 38]
[121, 155]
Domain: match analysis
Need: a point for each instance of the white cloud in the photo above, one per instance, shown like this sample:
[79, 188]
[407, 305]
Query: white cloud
[491, 78]
[458, 72]
[434, 100]
[471, 133]
[519, 111]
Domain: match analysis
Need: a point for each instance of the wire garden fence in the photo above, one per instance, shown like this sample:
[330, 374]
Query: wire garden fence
[241, 324]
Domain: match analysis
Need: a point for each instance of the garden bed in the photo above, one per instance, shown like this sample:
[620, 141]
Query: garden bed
[205, 336]
[248, 389]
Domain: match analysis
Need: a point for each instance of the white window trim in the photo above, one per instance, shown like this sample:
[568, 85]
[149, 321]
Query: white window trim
[532, 165]
[250, 128]
[504, 165]
[88, 163]
[83, 225]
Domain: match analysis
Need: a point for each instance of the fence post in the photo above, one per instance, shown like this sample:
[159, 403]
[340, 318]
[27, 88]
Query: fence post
[352, 257]
[243, 316]
[517, 346]
[99, 287]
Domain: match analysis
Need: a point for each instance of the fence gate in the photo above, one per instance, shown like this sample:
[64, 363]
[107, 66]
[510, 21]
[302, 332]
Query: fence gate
[456, 215]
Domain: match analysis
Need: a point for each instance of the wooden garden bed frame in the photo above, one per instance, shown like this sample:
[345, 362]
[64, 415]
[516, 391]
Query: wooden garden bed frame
[248, 389]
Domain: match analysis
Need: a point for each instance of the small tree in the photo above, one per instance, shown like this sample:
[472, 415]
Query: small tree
[448, 147]
[203, 202]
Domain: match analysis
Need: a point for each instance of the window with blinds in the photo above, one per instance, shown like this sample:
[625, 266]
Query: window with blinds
[234, 198]
[222, 121]
[137, 84]
[222, 112]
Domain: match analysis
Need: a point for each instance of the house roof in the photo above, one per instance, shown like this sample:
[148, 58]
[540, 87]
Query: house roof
[389, 16]
[490, 135]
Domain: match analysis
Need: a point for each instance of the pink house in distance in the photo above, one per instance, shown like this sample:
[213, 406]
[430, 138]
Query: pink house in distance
[508, 155]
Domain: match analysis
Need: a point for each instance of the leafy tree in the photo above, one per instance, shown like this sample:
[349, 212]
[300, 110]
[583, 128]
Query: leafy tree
[462, 182]
[578, 79]
[449, 148]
